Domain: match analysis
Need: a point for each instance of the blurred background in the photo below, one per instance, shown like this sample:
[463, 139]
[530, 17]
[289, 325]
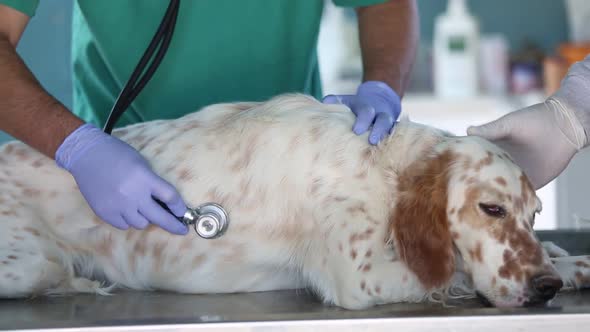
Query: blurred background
[511, 54]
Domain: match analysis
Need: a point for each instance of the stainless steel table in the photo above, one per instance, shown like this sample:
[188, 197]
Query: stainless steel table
[292, 311]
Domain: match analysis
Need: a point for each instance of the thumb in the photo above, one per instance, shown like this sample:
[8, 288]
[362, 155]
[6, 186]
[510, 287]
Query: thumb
[338, 99]
[493, 130]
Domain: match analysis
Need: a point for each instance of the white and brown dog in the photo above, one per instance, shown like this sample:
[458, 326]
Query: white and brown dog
[311, 204]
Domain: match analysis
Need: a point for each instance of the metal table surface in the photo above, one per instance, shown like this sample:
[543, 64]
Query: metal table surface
[292, 311]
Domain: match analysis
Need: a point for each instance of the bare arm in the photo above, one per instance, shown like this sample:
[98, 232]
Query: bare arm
[27, 111]
[389, 35]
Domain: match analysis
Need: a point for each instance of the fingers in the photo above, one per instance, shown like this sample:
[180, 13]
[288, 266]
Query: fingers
[494, 130]
[135, 220]
[117, 222]
[365, 115]
[158, 216]
[168, 195]
[383, 125]
[340, 99]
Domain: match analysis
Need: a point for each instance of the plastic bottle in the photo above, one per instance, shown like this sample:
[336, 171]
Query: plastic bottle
[456, 44]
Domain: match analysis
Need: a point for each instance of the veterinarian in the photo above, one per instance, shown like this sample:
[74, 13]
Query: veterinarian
[543, 138]
[222, 51]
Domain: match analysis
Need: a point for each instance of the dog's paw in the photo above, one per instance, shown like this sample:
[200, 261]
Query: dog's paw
[553, 250]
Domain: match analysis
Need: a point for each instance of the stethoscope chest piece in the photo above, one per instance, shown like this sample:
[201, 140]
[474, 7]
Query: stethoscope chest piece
[209, 220]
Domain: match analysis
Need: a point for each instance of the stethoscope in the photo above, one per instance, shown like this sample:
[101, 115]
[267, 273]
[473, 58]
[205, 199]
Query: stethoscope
[209, 220]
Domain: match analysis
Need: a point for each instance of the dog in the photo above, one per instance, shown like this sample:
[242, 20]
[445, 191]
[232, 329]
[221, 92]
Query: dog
[422, 216]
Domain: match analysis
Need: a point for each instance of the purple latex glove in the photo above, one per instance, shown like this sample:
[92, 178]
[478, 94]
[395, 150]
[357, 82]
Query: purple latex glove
[117, 181]
[375, 104]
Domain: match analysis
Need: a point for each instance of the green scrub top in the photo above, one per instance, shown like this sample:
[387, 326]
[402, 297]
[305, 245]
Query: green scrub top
[222, 51]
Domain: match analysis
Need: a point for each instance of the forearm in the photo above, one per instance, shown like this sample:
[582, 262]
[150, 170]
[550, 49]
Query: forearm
[27, 111]
[574, 94]
[389, 34]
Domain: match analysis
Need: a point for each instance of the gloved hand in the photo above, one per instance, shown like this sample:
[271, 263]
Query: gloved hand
[117, 181]
[375, 104]
[543, 138]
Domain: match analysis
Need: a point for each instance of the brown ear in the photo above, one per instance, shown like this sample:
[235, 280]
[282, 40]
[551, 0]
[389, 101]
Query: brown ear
[419, 224]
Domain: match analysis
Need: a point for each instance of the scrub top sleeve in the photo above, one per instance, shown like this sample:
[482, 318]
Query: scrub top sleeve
[27, 7]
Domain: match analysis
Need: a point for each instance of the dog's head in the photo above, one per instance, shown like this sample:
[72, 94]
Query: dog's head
[469, 201]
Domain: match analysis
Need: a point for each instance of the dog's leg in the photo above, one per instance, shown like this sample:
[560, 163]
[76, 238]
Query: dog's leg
[25, 273]
[356, 269]
[32, 264]
[574, 271]
[553, 250]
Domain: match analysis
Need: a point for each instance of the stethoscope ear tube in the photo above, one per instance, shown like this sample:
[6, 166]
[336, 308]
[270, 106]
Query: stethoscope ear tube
[131, 89]
[209, 220]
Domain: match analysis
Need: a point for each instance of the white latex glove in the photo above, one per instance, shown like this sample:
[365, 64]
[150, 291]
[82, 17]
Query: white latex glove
[543, 138]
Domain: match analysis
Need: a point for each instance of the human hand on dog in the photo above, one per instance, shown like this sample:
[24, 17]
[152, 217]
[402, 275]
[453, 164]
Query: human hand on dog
[118, 183]
[543, 138]
[375, 104]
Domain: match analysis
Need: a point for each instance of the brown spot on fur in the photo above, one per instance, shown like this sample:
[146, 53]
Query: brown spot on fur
[484, 162]
[315, 185]
[503, 291]
[248, 152]
[361, 236]
[18, 238]
[582, 280]
[453, 210]
[358, 207]
[185, 174]
[294, 143]
[31, 192]
[316, 157]
[529, 252]
[158, 249]
[582, 264]
[494, 281]
[378, 289]
[362, 174]
[315, 133]
[353, 254]
[340, 198]
[476, 254]
[139, 249]
[501, 181]
[367, 267]
[363, 285]
[12, 257]
[31, 230]
[37, 163]
[419, 222]
[367, 153]
[368, 253]
[198, 260]
[510, 268]
[105, 247]
[340, 247]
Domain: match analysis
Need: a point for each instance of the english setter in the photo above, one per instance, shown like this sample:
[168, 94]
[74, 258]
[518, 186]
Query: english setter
[422, 216]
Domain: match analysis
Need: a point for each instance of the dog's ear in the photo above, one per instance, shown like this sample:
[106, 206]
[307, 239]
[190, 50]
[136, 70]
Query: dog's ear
[418, 223]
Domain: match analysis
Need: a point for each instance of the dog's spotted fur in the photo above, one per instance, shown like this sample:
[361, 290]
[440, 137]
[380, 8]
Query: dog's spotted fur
[311, 205]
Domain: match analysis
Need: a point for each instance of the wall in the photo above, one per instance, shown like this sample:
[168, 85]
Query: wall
[45, 48]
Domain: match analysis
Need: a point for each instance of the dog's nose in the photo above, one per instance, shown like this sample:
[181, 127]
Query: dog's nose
[545, 287]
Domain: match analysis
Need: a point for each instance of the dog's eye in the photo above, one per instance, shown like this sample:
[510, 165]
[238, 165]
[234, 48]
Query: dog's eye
[492, 210]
